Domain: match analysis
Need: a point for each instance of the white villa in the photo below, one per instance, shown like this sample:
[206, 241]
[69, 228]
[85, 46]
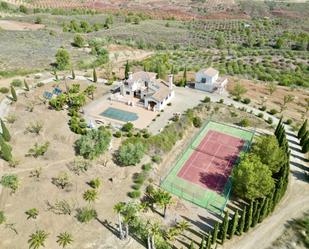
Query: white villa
[153, 94]
[208, 80]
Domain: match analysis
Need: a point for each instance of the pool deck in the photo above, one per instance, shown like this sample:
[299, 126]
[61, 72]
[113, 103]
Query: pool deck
[93, 110]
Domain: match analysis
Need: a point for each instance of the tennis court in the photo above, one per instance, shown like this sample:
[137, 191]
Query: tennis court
[119, 114]
[202, 173]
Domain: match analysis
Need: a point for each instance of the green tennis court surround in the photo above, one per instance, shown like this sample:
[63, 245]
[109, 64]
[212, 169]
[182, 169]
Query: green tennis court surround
[182, 178]
[119, 114]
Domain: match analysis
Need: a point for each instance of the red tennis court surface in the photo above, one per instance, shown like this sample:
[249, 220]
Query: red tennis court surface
[211, 163]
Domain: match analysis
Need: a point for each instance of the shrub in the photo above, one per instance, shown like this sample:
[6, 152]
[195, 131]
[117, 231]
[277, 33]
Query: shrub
[38, 150]
[38, 20]
[135, 194]
[269, 120]
[79, 165]
[127, 127]
[93, 143]
[238, 98]
[156, 159]
[273, 111]
[221, 101]
[206, 100]
[169, 104]
[139, 178]
[246, 101]
[137, 186]
[4, 90]
[95, 183]
[244, 122]
[263, 108]
[86, 214]
[2, 217]
[40, 84]
[32, 213]
[10, 181]
[131, 153]
[62, 59]
[129, 134]
[16, 83]
[35, 128]
[117, 134]
[147, 167]
[79, 41]
[62, 180]
[289, 121]
[197, 122]
[260, 115]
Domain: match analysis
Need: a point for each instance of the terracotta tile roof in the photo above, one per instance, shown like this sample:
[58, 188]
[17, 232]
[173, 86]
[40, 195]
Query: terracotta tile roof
[209, 71]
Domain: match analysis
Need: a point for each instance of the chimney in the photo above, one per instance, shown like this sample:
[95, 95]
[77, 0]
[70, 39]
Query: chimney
[170, 80]
[130, 76]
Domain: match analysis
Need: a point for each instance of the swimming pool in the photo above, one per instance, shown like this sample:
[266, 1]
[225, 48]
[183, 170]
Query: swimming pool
[119, 114]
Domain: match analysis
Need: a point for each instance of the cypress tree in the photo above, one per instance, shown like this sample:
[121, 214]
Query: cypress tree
[233, 225]
[278, 126]
[56, 75]
[215, 233]
[249, 217]
[191, 245]
[95, 79]
[6, 150]
[185, 76]
[264, 210]
[305, 148]
[242, 221]
[302, 129]
[255, 210]
[14, 95]
[225, 227]
[73, 74]
[26, 86]
[202, 244]
[127, 70]
[5, 132]
[271, 202]
[304, 138]
[258, 212]
[276, 195]
[208, 242]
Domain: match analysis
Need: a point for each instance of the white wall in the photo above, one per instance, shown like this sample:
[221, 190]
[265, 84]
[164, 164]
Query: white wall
[209, 80]
[204, 87]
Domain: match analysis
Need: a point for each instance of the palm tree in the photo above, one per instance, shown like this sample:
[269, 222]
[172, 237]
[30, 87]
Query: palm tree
[129, 214]
[64, 239]
[118, 208]
[183, 226]
[37, 239]
[90, 195]
[164, 199]
[154, 230]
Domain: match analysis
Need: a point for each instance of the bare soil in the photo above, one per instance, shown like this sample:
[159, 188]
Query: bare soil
[256, 91]
[19, 26]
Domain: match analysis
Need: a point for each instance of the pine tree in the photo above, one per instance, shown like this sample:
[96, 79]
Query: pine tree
[26, 86]
[5, 132]
[302, 129]
[14, 95]
[73, 74]
[249, 217]
[225, 226]
[127, 70]
[6, 150]
[233, 225]
[95, 79]
[255, 210]
[242, 221]
[202, 244]
[305, 148]
[304, 138]
[215, 233]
